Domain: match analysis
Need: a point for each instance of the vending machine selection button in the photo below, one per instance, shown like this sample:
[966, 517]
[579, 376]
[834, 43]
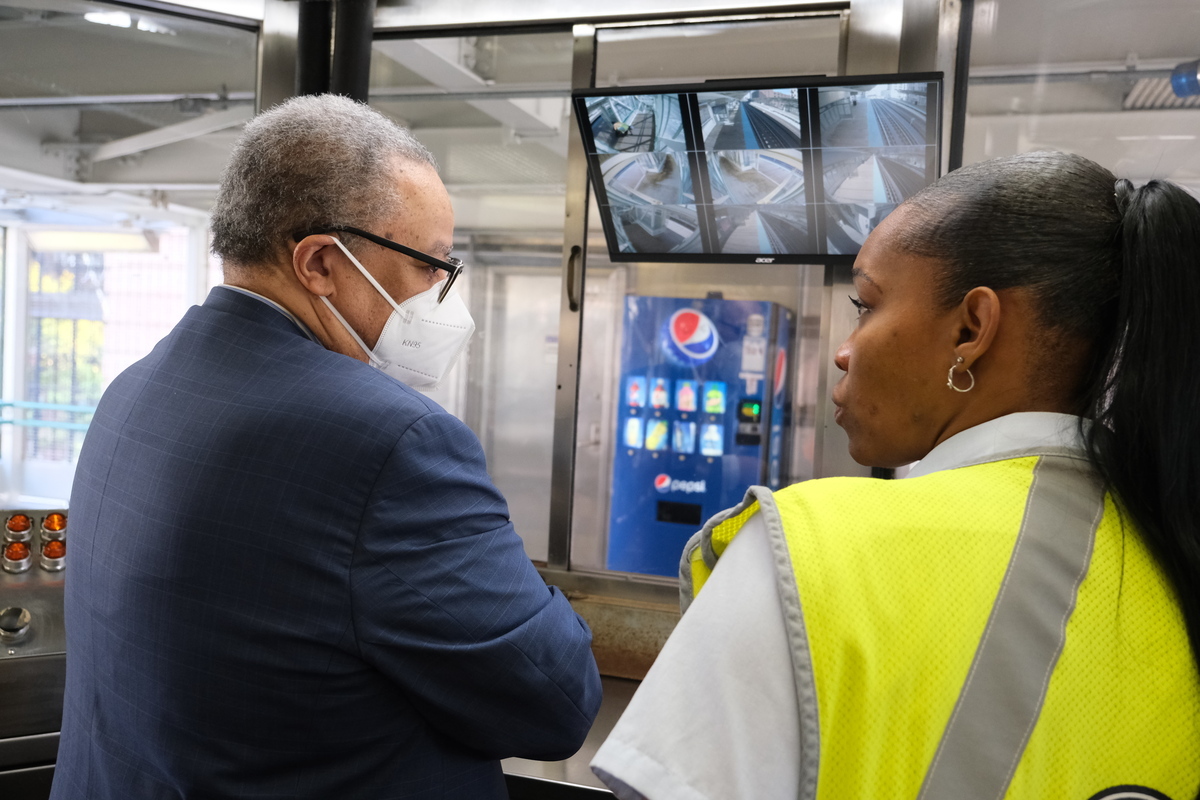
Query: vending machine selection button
[14, 624]
[17, 557]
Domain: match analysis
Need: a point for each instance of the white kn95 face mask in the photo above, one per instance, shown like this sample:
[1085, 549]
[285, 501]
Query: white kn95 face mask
[421, 339]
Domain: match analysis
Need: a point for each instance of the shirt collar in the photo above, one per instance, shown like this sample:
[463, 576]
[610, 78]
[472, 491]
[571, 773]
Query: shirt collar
[295, 320]
[1009, 436]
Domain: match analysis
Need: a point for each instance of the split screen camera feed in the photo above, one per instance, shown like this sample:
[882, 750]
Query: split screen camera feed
[758, 172]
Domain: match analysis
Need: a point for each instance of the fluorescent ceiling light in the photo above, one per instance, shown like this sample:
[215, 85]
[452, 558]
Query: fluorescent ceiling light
[250, 9]
[149, 26]
[51, 241]
[631, 34]
[118, 19]
[1165, 137]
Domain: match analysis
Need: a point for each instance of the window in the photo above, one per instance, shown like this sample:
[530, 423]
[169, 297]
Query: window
[494, 111]
[114, 124]
[79, 319]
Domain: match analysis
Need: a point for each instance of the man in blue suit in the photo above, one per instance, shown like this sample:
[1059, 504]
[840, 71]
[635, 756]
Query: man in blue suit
[290, 573]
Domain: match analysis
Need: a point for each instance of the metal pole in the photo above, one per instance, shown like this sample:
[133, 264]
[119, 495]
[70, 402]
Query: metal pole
[562, 480]
[276, 54]
[962, 69]
[314, 45]
[352, 48]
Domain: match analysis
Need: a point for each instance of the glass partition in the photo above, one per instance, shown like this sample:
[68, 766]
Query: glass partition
[494, 112]
[667, 437]
[114, 125]
[106, 94]
[1095, 81]
[516, 283]
[697, 380]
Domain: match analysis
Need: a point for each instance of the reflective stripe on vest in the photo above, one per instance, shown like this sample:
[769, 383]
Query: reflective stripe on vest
[1000, 701]
[966, 730]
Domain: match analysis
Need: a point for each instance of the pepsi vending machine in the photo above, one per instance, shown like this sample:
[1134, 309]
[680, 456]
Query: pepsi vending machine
[701, 416]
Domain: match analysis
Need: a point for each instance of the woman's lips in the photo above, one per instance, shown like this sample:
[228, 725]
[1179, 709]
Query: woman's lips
[839, 403]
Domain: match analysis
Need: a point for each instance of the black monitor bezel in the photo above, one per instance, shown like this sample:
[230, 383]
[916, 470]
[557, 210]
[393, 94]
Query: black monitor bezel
[578, 104]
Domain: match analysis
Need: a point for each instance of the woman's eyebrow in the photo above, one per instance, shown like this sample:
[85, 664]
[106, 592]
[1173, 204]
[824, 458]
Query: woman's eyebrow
[857, 272]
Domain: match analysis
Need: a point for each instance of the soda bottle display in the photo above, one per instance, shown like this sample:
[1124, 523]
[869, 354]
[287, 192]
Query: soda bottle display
[659, 396]
[688, 382]
[684, 439]
[714, 397]
[633, 432]
[685, 395]
[656, 435]
[635, 391]
[712, 440]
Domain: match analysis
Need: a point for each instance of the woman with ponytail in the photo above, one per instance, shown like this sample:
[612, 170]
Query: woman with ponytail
[1020, 616]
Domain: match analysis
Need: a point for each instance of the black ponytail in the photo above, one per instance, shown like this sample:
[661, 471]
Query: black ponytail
[1115, 274]
[1145, 397]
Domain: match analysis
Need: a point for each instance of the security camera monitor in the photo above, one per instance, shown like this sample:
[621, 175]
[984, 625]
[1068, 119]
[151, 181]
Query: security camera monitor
[786, 171]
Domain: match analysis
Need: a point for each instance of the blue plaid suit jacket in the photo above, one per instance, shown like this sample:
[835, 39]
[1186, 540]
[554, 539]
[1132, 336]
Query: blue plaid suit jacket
[290, 576]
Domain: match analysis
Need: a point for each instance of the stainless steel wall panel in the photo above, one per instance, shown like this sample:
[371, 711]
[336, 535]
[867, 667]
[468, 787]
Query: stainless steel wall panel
[38, 683]
[277, 47]
[838, 318]
[600, 350]
[522, 358]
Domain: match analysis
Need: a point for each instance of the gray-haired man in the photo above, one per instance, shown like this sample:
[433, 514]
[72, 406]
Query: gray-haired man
[292, 576]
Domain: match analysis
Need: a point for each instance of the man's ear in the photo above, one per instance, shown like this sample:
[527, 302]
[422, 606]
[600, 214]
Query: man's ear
[313, 262]
[979, 320]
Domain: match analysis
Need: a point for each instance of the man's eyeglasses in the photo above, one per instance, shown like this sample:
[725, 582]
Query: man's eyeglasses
[451, 266]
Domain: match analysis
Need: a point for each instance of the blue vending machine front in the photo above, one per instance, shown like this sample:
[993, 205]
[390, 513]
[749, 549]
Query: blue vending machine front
[700, 417]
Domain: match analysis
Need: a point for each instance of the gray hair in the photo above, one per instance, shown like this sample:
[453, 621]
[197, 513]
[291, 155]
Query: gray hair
[312, 162]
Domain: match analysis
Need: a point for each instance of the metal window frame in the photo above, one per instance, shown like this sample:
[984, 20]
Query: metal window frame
[927, 42]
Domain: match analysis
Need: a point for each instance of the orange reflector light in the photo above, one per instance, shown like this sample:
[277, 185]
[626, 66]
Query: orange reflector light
[19, 523]
[15, 551]
[55, 522]
[54, 550]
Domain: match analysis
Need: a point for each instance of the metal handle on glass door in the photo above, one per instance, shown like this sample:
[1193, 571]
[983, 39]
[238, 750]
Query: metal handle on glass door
[574, 277]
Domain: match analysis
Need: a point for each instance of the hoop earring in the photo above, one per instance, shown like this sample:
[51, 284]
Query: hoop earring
[950, 377]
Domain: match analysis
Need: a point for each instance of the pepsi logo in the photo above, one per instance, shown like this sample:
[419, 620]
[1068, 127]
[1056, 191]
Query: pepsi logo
[663, 483]
[690, 338]
[780, 369]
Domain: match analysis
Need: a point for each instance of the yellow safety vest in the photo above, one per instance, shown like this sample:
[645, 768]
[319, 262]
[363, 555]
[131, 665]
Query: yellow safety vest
[990, 631]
